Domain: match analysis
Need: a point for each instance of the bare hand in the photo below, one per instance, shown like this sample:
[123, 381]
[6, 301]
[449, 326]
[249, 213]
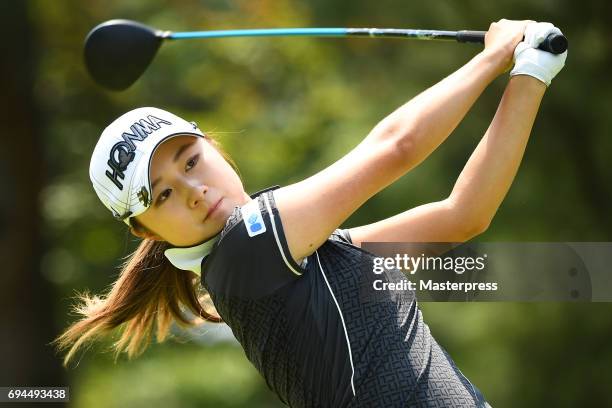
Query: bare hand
[501, 40]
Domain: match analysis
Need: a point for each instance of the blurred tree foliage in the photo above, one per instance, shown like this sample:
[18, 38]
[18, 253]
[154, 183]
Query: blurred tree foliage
[285, 108]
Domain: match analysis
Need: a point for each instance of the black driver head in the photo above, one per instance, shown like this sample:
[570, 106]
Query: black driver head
[117, 52]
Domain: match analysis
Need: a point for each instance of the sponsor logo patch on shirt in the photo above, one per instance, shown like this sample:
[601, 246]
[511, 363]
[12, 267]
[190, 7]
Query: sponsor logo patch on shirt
[253, 221]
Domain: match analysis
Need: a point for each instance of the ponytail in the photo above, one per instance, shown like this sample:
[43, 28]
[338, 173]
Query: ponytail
[149, 292]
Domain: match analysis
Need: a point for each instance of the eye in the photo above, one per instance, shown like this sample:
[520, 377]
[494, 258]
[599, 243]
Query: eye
[163, 196]
[191, 163]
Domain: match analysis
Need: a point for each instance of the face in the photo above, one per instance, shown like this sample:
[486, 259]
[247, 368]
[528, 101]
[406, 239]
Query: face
[194, 191]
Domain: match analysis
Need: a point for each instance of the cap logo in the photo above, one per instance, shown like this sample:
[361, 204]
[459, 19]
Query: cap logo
[122, 153]
[143, 196]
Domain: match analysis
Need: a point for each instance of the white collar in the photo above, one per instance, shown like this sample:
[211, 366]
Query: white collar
[190, 258]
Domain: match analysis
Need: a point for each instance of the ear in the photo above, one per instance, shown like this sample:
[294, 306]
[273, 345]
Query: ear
[150, 236]
[146, 235]
[141, 232]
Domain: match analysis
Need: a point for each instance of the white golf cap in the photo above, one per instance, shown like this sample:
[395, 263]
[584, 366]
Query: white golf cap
[120, 163]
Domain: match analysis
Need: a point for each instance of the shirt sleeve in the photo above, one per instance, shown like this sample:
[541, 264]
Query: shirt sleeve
[252, 258]
[342, 235]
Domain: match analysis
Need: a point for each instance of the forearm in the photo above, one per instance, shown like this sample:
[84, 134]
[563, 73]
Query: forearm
[488, 174]
[425, 121]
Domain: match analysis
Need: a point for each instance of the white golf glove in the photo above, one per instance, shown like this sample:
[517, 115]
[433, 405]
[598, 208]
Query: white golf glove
[529, 60]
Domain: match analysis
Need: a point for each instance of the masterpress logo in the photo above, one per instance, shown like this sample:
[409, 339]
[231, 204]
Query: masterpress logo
[411, 265]
[499, 271]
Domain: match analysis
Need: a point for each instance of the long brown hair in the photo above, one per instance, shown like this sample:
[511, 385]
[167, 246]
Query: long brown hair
[150, 293]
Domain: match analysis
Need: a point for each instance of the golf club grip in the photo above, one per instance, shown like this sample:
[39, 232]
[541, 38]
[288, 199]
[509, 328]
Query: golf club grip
[554, 43]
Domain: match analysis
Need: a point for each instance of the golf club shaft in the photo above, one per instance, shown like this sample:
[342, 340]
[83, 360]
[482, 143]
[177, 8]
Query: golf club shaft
[554, 43]
[320, 32]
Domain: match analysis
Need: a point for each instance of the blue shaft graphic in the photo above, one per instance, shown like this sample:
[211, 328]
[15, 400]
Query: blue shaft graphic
[259, 33]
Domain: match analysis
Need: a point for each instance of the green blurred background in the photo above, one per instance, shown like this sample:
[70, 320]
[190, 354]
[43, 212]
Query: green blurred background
[285, 108]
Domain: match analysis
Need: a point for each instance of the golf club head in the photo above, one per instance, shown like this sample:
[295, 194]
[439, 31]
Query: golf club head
[117, 52]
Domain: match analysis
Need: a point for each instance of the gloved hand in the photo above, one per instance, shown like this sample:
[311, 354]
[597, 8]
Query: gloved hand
[528, 60]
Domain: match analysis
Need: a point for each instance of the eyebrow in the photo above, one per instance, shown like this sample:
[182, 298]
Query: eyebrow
[177, 155]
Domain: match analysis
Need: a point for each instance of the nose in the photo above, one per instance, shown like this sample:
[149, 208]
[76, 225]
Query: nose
[196, 194]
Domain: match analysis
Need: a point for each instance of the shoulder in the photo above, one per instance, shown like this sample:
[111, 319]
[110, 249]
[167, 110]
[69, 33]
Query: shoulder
[252, 255]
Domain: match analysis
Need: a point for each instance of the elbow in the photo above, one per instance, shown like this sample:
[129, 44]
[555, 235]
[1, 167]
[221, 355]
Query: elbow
[401, 136]
[468, 224]
[404, 145]
[476, 228]
[406, 136]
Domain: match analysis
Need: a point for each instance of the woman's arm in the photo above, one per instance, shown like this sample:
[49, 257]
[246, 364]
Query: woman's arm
[488, 174]
[482, 184]
[312, 209]
[425, 121]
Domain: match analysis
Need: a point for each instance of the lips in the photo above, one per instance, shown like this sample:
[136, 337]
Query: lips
[213, 208]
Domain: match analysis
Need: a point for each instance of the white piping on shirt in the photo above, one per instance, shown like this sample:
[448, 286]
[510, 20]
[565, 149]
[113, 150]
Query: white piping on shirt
[280, 247]
[348, 343]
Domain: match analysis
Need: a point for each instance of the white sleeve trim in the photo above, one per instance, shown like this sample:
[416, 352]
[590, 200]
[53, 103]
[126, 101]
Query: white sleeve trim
[278, 243]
